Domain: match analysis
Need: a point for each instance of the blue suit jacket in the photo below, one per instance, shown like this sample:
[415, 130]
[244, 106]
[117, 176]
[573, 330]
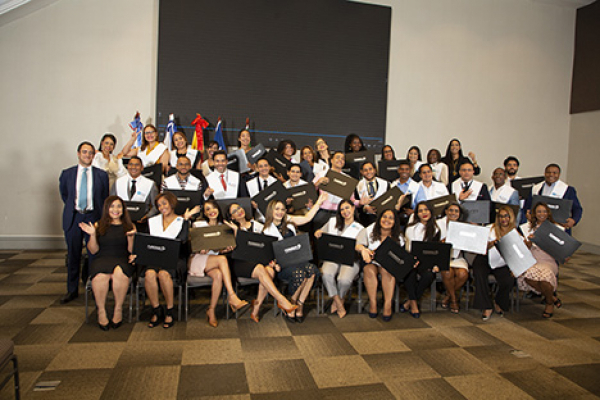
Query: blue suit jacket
[570, 194]
[68, 192]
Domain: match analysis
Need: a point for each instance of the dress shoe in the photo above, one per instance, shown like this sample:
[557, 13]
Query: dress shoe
[116, 325]
[70, 296]
[103, 327]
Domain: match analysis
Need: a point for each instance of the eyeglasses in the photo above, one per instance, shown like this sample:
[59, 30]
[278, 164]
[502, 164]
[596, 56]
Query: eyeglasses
[236, 210]
[147, 132]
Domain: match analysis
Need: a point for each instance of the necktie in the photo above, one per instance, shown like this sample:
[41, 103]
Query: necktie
[264, 184]
[371, 189]
[223, 182]
[132, 190]
[466, 186]
[83, 191]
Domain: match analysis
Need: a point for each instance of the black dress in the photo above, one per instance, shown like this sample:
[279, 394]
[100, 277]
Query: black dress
[113, 252]
[243, 268]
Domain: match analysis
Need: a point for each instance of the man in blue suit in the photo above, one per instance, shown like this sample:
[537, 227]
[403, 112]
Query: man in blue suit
[83, 189]
[552, 186]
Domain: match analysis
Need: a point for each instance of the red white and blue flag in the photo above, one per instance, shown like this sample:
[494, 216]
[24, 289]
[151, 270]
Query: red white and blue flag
[219, 136]
[170, 132]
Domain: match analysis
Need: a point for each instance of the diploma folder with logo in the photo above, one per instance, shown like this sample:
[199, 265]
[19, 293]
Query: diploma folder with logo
[388, 169]
[478, 211]
[275, 191]
[439, 204]
[301, 195]
[279, 162]
[560, 208]
[243, 202]
[468, 237]
[212, 238]
[397, 261]
[154, 173]
[337, 249]
[388, 200]
[516, 254]
[355, 160]
[293, 250]
[253, 247]
[524, 185]
[255, 153]
[432, 254]
[156, 251]
[554, 241]
[339, 184]
[136, 209]
[186, 199]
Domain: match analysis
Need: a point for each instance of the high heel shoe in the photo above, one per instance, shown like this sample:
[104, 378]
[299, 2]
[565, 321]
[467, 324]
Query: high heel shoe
[156, 312]
[287, 310]
[373, 314]
[415, 314]
[212, 322]
[403, 309]
[300, 318]
[103, 327]
[116, 325]
[240, 305]
[557, 303]
[387, 318]
[169, 313]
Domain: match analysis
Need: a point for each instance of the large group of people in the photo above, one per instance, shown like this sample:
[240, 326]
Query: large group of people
[103, 222]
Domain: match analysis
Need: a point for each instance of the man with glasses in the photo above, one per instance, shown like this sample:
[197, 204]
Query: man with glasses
[83, 189]
[466, 188]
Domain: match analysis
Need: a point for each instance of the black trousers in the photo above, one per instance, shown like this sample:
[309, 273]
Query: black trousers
[416, 282]
[74, 237]
[504, 278]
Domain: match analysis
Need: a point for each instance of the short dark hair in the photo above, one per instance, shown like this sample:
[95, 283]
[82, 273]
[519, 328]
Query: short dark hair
[403, 162]
[365, 163]
[219, 152]
[466, 161]
[553, 165]
[136, 158]
[294, 165]
[425, 165]
[511, 158]
[83, 144]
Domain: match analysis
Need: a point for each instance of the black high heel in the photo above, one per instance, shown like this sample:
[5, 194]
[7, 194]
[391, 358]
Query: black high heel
[103, 327]
[169, 313]
[300, 319]
[156, 312]
[116, 325]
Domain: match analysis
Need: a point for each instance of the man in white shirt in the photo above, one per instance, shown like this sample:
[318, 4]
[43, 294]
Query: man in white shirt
[222, 182]
[183, 179]
[136, 187]
[501, 191]
[466, 188]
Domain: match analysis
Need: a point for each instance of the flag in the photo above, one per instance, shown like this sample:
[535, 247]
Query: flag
[248, 124]
[170, 132]
[198, 140]
[219, 136]
[137, 126]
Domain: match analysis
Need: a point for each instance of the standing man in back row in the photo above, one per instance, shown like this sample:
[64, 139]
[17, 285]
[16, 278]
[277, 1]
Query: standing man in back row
[83, 189]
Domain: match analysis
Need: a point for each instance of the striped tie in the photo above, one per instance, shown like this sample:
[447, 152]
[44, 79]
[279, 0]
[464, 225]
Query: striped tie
[83, 191]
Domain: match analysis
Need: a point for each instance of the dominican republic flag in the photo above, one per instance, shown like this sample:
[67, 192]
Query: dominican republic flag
[137, 126]
[170, 132]
[219, 136]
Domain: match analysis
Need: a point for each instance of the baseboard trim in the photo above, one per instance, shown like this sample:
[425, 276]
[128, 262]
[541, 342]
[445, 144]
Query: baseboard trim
[25, 242]
[590, 248]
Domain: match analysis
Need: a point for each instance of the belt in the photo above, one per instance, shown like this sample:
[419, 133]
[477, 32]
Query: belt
[85, 212]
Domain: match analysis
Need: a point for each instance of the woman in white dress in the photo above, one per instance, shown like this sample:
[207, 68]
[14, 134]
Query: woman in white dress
[213, 264]
[151, 152]
[344, 224]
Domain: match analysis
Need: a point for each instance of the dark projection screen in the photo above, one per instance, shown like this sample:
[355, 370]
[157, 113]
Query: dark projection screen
[299, 69]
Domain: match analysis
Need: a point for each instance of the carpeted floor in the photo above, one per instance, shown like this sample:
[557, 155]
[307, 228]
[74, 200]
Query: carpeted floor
[438, 356]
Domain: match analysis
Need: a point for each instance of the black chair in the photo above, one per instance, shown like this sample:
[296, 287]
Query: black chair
[7, 355]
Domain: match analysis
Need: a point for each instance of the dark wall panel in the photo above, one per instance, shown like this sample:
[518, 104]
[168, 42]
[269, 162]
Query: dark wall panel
[585, 90]
[297, 68]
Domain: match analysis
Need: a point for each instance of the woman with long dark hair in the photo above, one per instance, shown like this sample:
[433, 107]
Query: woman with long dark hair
[181, 147]
[423, 228]
[368, 240]
[343, 224]
[111, 242]
[454, 158]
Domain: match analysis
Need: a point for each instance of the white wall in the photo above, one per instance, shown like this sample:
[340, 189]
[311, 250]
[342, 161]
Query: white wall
[69, 72]
[495, 73]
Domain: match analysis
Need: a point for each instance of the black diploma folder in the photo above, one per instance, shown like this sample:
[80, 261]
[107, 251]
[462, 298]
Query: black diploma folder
[561, 208]
[244, 202]
[293, 250]
[554, 241]
[439, 204]
[156, 251]
[432, 254]
[478, 211]
[279, 162]
[186, 199]
[154, 173]
[255, 153]
[339, 184]
[524, 185]
[212, 238]
[301, 195]
[354, 162]
[275, 191]
[388, 200]
[253, 247]
[397, 261]
[136, 209]
[388, 169]
[337, 249]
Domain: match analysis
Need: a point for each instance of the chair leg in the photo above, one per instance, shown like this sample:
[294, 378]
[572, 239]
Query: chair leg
[226, 303]
[433, 295]
[186, 301]
[360, 297]
[137, 303]
[397, 298]
[180, 301]
[16, 377]
[86, 305]
[131, 301]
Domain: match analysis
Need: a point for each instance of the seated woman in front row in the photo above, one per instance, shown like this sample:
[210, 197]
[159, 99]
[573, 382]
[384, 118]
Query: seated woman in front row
[493, 263]
[424, 228]
[458, 273]
[541, 278]
[111, 242]
[167, 224]
[214, 265]
[343, 224]
[368, 240]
